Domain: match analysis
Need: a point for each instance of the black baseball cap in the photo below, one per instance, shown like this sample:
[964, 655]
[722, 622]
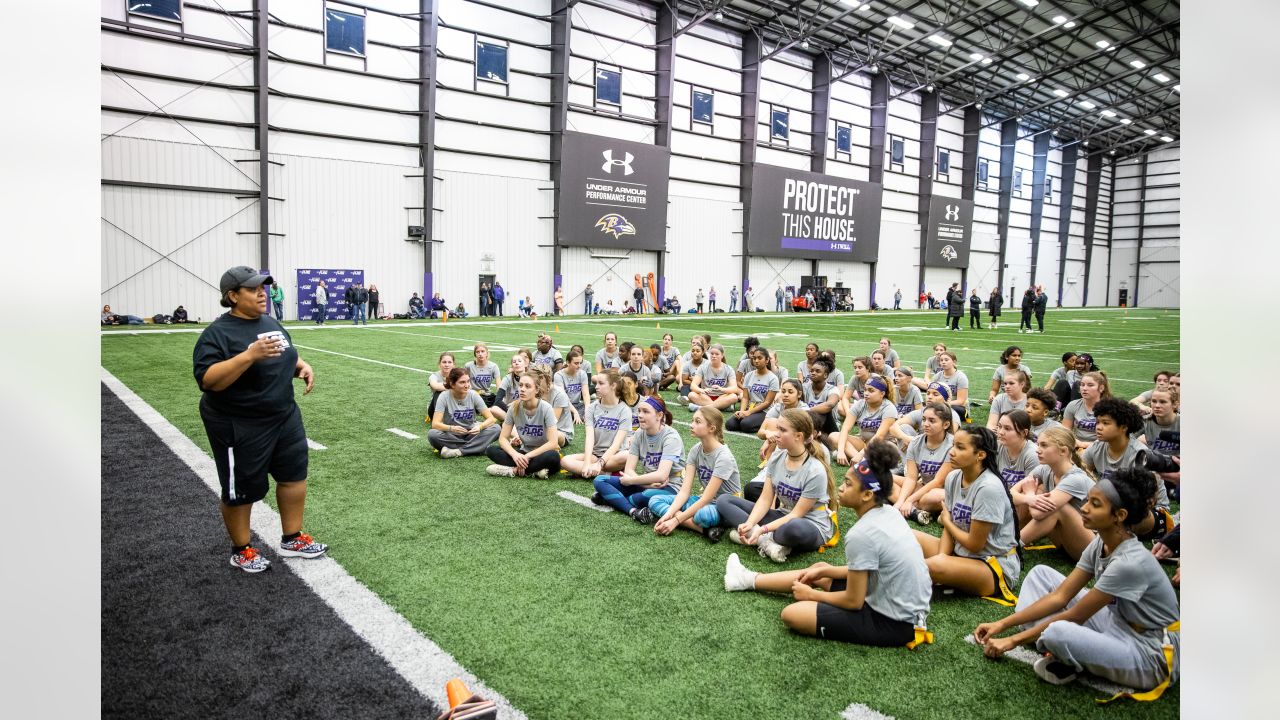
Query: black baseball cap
[241, 276]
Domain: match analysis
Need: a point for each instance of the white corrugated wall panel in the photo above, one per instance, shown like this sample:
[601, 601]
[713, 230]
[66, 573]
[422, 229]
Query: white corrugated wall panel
[898, 266]
[704, 244]
[612, 274]
[767, 273]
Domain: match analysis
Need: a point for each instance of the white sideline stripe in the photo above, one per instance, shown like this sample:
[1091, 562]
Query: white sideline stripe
[417, 659]
[1025, 655]
[584, 502]
[402, 433]
[353, 357]
[315, 445]
[858, 711]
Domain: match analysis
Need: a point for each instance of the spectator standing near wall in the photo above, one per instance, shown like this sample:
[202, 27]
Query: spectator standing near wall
[778, 295]
[321, 298]
[277, 302]
[897, 299]
[374, 301]
[700, 299]
[589, 293]
[711, 299]
[1041, 304]
[733, 299]
[499, 295]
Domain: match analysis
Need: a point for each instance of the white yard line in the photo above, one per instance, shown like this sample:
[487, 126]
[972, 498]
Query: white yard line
[315, 445]
[1028, 656]
[584, 502]
[402, 433]
[421, 662]
[858, 711]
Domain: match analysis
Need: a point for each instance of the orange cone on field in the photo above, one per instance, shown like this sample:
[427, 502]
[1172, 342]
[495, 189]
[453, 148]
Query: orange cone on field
[444, 316]
[557, 328]
[465, 706]
[657, 326]
[457, 692]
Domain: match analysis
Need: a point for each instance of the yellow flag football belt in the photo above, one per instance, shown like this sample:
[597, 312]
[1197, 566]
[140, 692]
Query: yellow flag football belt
[1005, 595]
[1155, 692]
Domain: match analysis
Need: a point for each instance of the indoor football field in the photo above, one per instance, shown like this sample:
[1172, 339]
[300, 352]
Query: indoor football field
[568, 611]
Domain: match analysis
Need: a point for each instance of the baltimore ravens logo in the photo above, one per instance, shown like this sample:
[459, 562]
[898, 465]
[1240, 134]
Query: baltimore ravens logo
[615, 224]
[949, 253]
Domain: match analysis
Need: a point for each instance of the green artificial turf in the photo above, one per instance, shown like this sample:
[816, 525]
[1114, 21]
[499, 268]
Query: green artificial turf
[571, 612]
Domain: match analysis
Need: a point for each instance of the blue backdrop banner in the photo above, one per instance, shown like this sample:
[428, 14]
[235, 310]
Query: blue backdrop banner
[336, 283]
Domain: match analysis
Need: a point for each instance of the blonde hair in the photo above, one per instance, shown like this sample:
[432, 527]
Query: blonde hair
[542, 377]
[1066, 441]
[714, 418]
[1104, 385]
[802, 422]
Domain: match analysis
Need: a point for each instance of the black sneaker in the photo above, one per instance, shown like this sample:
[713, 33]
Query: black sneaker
[1054, 672]
[643, 515]
[597, 498]
[715, 535]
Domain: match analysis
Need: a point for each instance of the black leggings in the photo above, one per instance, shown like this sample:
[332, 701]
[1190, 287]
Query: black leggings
[799, 534]
[975, 319]
[549, 460]
[1025, 322]
[749, 424]
[863, 627]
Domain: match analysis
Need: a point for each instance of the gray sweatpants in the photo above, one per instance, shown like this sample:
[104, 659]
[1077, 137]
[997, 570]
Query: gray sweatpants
[468, 444]
[1103, 646]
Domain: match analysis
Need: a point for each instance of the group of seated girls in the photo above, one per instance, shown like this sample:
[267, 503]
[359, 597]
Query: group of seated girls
[1080, 484]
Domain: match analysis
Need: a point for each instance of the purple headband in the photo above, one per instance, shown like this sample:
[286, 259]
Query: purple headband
[877, 383]
[943, 390]
[653, 404]
[867, 478]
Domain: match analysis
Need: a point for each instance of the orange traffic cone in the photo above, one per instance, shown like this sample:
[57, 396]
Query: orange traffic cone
[444, 316]
[465, 706]
[657, 326]
[457, 692]
[557, 327]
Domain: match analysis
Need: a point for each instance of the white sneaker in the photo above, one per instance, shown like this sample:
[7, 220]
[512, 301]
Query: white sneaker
[735, 538]
[736, 576]
[772, 550]
[450, 452]
[1051, 670]
[500, 470]
[542, 474]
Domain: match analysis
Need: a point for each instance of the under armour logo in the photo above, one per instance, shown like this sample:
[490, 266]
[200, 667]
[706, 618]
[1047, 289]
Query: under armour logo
[953, 212]
[609, 162]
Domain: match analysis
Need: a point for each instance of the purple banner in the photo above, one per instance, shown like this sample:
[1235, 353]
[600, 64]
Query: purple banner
[336, 284]
[819, 245]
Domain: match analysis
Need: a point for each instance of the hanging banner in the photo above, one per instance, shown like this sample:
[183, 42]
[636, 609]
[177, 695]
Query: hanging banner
[336, 283]
[796, 213]
[613, 193]
[950, 232]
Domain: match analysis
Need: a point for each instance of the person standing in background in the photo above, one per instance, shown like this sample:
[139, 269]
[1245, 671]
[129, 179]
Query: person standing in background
[1028, 305]
[486, 299]
[700, 298]
[747, 299]
[362, 299]
[373, 301]
[589, 293]
[1039, 306]
[897, 299]
[790, 300]
[955, 306]
[975, 310]
[638, 295]
[321, 298]
[733, 299]
[558, 299]
[277, 302]
[993, 306]
[777, 296]
[711, 300]
[498, 296]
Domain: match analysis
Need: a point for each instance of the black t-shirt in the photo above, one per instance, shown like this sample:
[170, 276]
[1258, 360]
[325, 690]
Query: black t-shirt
[266, 388]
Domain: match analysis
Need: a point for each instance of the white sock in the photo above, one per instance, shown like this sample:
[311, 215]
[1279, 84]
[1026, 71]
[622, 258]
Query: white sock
[737, 576]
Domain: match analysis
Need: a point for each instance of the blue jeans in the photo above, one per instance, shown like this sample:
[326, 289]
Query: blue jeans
[706, 518]
[733, 304]
[779, 304]
[588, 310]
[322, 313]
[358, 315]
[279, 306]
[625, 498]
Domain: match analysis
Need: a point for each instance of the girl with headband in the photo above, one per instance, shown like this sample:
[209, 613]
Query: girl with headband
[909, 425]
[655, 458]
[1050, 499]
[1126, 627]
[881, 597]
[873, 415]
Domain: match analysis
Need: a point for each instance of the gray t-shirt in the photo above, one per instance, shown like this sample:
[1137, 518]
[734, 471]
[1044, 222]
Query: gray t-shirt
[985, 500]
[898, 584]
[530, 426]
[807, 481]
[916, 419]
[933, 366]
[484, 380]
[1013, 469]
[653, 449]
[759, 385]
[715, 381]
[688, 369]
[868, 420]
[1059, 374]
[1098, 458]
[464, 413]
[510, 388]
[642, 377]
[1048, 423]
[573, 385]
[1086, 425]
[720, 463]
[1001, 369]
[1075, 483]
[955, 383]
[891, 358]
[812, 398]
[1002, 404]
[560, 399]
[908, 401]
[667, 358]
[744, 364]
[608, 361]
[802, 371]
[1144, 598]
[776, 409]
[836, 378]
[1152, 429]
[606, 423]
[927, 459]
[550, 359]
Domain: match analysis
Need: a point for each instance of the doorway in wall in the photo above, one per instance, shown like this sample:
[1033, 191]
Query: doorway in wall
[484, 309]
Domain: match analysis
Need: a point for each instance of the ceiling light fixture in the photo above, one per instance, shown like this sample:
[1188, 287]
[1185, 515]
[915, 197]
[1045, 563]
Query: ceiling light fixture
[1059, 19]
[1087, 105]
[1108, 113]
[1166, 138]
[1024, 77]
[1103, 44]
[976, 56]
[1113, 152]
[901, 22]
[852, 3]
[1138, 64]
[1125, 121]
[805, 43]
[1060, 92]
[986, 61]
[978, 105]
[939, 40]
[928, 88]
[1070, 24]
[1149, 131]
[1177, 89]
[1030, 3]
[719, 15]
[1161, 77]
[1086, 143]
[874, 69]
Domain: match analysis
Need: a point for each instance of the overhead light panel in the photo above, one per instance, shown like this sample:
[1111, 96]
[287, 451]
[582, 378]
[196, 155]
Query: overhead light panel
[1060, 92]
[986, 61]
[1030, 3]
[1024, 77]
[1138, 64]
[865, 7]
[1113, 152]
[1161, 77]
[939, 40]
[851, 3]
[1125, 121]
[1103, 44]
[1149, 131]
[1166, 138]
[1087, 105]
[1108, 113]
[1070, 24]
[1177, 89]
[1059, 19]
[901, 22]
[976, 56]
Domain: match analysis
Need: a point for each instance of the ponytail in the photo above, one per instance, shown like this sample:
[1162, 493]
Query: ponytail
[985, 440]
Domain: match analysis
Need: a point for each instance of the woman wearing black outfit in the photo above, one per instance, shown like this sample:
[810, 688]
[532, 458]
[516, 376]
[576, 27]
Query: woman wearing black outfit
[373, 302]
[955, 308]
[245, 364]
[994, 303]
[975, 310]
[1028, 304]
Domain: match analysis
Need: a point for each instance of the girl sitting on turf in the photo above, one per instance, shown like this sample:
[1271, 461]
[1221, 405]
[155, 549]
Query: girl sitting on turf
[1164, 420]
[803, 486]
[880, 365]
[531, 424]
[1161, 379]
[608, 425]
[909, 398]
[1010, 359]
[1050, 498]
[1078, 416]
[690, 367]
[653, 361]
[920, 495]
[910, 425]
[455, 427]
[655, 457]
[881, 597]
[1040, 405]
[1017, 455]
[485, 375]
[978, 552]
[811, 353]
[1124, 628]
[638, 371]
[1118, 422]
[890, 355]
[820, 396]
[775, 366]
[1016, 384]
[670, 358]
[932, 366]
[715, 383]
[509, 388]
[1065, 390]
[761, 386]
[856, 388]
[438, 382]
[956, 381]
[573, 380]
[607, 356]
[790, 396]
[1067, 373]
[873, 415]
[835, 378]
[559, 400]
[712, 468]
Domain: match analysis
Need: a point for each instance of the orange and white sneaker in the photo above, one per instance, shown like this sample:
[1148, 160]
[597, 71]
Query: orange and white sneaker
[249, 560]
[302, 546]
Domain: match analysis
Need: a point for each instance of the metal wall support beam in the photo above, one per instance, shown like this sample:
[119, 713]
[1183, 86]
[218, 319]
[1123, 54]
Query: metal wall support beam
[261, 134]
[821, 123]
[665, 81]
[969, 153]
[561, 27]
[1039, 168]
[928, 153]
[1142, 225]
[1008, 153]
[428, 30]
[750, 126]
[1092, 185]
[1066, 199]
[879, 118]
[1111, 232]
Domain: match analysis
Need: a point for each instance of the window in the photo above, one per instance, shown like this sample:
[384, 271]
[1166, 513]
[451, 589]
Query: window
[944, 163]
[1017, 181]
[844, 139]
[1048, 189]
[703, 107]
[491, 61]
[897, 151]
[780, 120]
[608, 86]
[344, 32]
[160, 9]
[983, 173]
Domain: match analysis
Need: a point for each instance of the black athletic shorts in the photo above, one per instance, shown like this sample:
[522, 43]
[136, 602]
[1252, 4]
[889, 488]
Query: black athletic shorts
[245, 450]
[863, 627]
